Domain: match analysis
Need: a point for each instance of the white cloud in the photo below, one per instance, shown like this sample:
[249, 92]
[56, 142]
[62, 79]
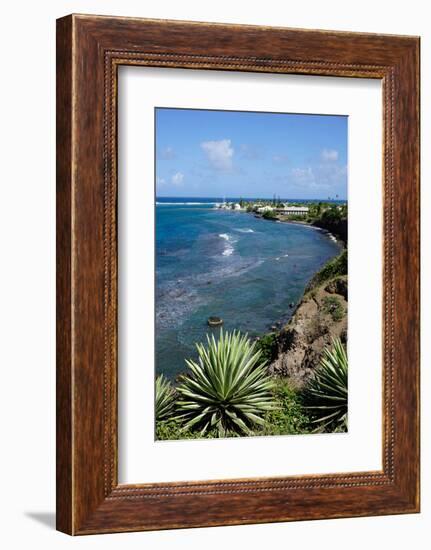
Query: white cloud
[167, 153]
[160, 181]
[177, 178]
[323, 176]
[303, 175]
[219, 154]
[329, 155]
[332, 173]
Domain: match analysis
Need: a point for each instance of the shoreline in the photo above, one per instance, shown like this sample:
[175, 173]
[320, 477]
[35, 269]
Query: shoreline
[272, 336]
[337, 238]
[281, 322]
[335, 225]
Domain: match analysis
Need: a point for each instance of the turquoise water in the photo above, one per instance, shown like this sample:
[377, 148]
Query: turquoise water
[229, 264]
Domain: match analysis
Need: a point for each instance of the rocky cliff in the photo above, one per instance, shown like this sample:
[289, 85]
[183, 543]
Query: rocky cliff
[336, 227]
[320, 316]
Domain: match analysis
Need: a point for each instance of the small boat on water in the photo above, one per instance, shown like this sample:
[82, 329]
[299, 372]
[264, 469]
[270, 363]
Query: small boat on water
[214, 321]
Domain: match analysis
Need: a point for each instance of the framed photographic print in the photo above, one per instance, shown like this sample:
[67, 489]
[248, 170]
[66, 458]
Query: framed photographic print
[237, 274]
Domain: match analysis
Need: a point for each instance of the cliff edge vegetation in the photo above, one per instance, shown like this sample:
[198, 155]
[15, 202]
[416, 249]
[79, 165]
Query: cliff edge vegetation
[294, 352]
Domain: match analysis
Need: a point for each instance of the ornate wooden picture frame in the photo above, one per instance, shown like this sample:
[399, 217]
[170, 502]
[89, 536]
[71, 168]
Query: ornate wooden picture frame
[89, 51]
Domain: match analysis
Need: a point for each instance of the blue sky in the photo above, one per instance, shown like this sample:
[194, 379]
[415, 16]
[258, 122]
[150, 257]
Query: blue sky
[202, 153]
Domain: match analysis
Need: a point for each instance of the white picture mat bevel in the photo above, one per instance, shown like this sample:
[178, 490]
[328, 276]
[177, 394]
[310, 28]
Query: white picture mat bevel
[141, 458]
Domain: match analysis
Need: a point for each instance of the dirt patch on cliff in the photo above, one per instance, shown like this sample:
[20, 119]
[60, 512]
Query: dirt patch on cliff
[320, 316]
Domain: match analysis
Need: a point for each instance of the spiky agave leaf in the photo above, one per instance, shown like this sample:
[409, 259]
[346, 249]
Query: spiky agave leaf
[228, 390]
[165, 398]
[326, 393]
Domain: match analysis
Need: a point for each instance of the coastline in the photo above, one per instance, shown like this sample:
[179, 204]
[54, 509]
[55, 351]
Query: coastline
[332, 234]
[275, 303]
[293, 349]
[330, 217]
[281, 343]
[278, 324]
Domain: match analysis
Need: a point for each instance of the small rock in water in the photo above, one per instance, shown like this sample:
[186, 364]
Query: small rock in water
[291, 304]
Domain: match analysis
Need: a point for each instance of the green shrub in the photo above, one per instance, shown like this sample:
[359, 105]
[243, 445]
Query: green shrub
[325, 396]
[333, 306]
[268, 347]
[289, 416]
[335, 267]
[172, 429]
[334, 214]
[269, 215]
[228, 390]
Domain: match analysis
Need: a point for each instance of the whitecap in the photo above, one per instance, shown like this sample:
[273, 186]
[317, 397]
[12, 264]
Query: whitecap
[228, 250]
[240, 230]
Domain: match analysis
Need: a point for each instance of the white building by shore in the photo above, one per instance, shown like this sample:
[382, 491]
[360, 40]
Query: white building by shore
[294, 210]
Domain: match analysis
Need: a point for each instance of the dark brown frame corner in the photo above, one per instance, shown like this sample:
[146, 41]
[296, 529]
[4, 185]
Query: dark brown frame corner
[89, 51]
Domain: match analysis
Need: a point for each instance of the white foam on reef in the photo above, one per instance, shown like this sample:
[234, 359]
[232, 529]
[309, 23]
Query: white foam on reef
[228, 250]
[245, 230]
[174, 302]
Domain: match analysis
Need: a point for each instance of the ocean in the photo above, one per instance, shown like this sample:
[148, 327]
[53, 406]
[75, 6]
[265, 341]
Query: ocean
[210, 262]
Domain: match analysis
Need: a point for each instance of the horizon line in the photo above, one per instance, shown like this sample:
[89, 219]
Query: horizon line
[248, 198]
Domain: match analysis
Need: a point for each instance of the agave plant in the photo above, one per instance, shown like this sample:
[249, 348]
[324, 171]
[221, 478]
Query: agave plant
[326, 393]
[228, 390]
[165, 398]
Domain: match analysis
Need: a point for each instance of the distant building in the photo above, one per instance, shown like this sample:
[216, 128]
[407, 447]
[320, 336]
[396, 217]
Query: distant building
[294, 210]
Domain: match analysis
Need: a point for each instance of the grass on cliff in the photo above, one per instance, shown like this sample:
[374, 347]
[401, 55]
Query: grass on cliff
[288, 417]
[332, 306]
[268, 347]
[334, 268]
